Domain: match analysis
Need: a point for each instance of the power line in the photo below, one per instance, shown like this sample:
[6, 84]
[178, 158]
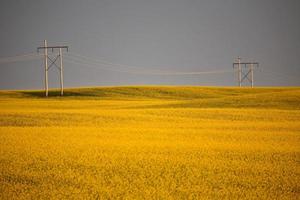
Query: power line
[105, 67]
[19, 58]
[276, 75]
[94, 66]
[133, 69]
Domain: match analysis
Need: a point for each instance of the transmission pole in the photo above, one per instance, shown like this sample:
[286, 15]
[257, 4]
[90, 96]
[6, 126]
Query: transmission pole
[252, 79]
[53, 63]
[46, 67]
[245, 71]
[61, 73]
[240, 72]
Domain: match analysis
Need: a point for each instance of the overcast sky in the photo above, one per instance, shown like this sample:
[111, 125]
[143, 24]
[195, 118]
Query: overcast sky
[166, 35]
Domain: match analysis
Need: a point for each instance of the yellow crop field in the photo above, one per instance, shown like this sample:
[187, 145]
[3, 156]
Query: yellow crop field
[151, 142]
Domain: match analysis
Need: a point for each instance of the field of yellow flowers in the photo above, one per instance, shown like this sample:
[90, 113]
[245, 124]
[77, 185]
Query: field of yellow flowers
[151, 143]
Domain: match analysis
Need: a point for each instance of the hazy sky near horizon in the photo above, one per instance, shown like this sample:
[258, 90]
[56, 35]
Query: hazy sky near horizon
[167, 35]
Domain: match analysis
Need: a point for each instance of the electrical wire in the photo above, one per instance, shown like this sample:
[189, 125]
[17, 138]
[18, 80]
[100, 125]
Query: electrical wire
[79, 59]
[108, 68]
[19, 58]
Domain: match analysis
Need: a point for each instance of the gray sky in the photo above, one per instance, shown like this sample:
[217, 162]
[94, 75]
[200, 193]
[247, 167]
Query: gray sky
[168, 35]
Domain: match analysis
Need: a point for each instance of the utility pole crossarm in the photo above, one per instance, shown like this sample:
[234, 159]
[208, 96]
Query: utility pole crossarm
[246, 63]
[53, 47]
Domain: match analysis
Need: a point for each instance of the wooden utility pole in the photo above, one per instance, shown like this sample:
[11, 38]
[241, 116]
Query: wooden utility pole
[53, 63]
[240, 71]
[252, 80]
[61, 73]
[245, 71]
[46, 67]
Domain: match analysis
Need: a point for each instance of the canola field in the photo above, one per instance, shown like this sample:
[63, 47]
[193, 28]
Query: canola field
[151, 142]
